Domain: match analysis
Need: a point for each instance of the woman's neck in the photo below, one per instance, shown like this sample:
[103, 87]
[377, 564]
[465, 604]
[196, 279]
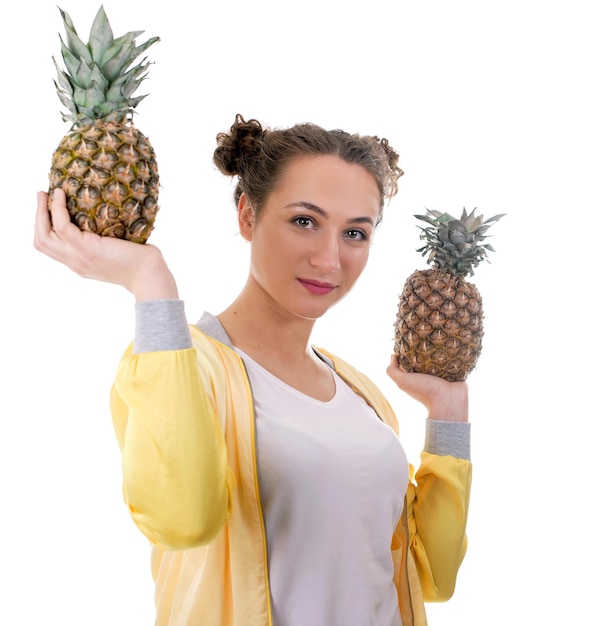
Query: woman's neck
[280, 344]
[258, 326]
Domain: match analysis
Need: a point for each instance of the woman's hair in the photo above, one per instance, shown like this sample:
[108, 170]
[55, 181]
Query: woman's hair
[259, 156]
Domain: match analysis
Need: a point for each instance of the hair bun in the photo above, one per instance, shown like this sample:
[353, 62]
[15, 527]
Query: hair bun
[238, 145]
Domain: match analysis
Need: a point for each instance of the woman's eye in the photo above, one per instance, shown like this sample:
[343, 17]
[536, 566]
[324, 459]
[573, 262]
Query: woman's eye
[304, 222]
[356, 234]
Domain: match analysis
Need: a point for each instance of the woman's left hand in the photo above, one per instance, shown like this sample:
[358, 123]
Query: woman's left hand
[443, 400]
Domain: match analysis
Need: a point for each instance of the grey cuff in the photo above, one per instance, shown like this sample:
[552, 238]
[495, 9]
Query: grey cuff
[448, 438]
[160, 325]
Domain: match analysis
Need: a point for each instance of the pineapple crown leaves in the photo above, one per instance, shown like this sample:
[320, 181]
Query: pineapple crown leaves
[455, 245]
[97, 83]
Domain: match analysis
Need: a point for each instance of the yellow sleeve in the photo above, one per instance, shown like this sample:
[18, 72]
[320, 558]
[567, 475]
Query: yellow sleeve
[176, 482]
[437, 502]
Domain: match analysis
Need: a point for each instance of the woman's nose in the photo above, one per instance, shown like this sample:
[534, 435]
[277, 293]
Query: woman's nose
[325, 254]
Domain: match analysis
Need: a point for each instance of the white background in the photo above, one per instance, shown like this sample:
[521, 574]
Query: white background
[490, 104]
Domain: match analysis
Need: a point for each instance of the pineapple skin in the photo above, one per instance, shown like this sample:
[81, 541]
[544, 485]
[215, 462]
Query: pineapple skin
[439, 325]
[109, 174]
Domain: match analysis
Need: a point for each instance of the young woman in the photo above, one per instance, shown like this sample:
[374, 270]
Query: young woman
[268, 474]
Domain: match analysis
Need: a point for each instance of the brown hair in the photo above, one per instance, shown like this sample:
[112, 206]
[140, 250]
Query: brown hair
[258, 156]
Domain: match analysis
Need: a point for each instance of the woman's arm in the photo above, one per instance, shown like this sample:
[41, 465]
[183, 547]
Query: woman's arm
[176, 480]
[438, 498]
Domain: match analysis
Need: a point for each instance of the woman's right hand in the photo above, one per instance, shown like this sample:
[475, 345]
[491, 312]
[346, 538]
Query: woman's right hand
[140, 268]
[443, 400]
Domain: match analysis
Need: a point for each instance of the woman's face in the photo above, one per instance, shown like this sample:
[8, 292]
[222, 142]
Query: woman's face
[312, 238]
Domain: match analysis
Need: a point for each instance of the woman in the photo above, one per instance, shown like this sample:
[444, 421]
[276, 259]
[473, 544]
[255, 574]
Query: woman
[268, 474]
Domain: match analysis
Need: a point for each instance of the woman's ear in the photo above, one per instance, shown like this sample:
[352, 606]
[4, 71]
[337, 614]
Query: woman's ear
[245, 217]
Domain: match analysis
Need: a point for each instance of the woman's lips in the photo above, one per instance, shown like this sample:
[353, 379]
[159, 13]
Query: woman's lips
[316, 287]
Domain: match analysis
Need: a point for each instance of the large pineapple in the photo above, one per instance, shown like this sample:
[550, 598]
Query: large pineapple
[105, 165]
[439, 324]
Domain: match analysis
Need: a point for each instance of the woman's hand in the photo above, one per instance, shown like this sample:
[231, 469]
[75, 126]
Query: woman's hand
[140, 268]
[443, 400]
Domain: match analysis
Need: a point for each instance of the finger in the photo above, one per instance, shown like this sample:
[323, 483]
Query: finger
[51, 225]
[58, 210]
[394, 368]
[42, 226]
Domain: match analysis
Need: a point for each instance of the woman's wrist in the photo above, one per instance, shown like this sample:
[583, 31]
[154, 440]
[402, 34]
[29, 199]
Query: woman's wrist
[154, 281]
[452, 405]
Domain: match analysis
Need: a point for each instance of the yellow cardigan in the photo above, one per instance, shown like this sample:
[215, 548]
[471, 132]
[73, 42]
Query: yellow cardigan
[184, 420]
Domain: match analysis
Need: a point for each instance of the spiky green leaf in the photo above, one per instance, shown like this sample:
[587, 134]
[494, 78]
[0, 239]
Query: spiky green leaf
[118, 59]
[76, 46]
[99, 77]
[100, 36]
[455, 245]
[71, 61]
[63, 79]
[66, 99]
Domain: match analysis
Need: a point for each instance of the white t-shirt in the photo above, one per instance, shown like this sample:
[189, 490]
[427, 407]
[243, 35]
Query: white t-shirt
[332, 479]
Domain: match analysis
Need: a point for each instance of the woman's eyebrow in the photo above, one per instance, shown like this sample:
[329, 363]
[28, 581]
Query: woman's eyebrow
[307, 205]
[320, 211]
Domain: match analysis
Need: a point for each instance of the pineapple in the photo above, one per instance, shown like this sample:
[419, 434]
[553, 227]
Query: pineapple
[439, 323]
[105, 165]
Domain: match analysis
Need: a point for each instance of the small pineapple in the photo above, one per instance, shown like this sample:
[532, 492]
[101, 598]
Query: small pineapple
[105, 165]
[439, 323]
